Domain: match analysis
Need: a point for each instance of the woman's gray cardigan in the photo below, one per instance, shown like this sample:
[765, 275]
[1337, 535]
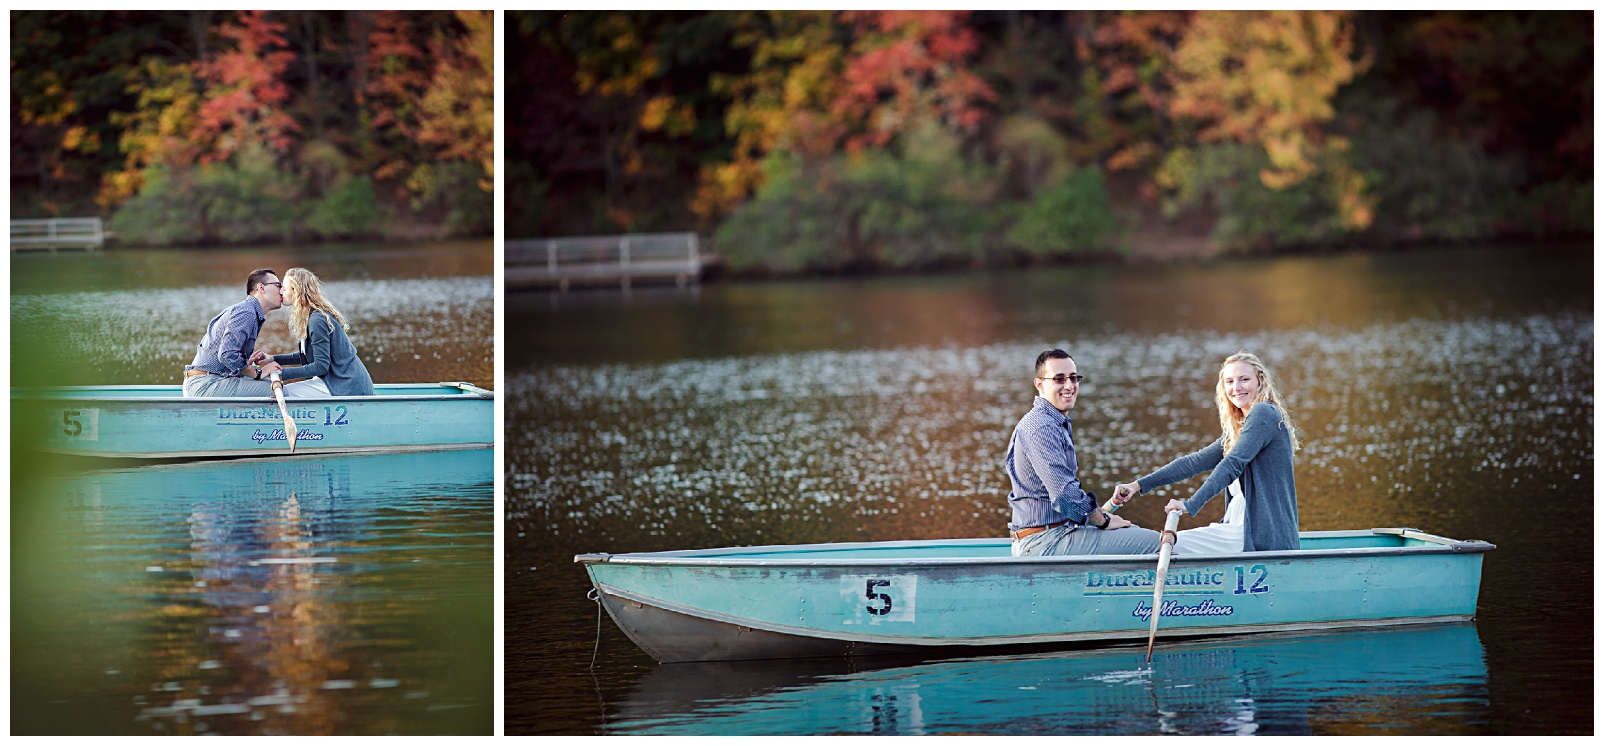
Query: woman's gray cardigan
[1262, 458]
[328, 352]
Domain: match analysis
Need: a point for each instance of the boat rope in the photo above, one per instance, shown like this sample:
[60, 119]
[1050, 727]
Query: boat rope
[595, 595]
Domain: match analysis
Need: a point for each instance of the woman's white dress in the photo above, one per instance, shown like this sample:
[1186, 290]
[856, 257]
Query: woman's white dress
[315, 386]
[1224, 537]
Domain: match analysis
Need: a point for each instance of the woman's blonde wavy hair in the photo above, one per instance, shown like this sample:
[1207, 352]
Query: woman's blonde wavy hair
[1231, 418]
[309, 298]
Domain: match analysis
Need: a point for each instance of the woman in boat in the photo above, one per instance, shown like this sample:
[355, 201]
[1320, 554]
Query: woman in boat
[1251, 462]
[327, 361]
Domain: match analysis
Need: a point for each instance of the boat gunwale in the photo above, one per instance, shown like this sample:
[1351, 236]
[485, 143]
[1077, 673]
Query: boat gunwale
[468, 392]
[718, 557]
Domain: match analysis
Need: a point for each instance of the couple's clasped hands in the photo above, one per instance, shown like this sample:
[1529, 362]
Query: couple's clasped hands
[1124, 492]
[264, 362]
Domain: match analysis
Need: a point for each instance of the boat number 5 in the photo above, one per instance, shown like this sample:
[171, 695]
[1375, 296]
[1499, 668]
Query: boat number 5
[868, 591]
[80, 424]
[885, 598]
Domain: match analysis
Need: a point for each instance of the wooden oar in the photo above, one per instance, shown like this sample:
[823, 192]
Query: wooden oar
[289, 422]
[1166, 545]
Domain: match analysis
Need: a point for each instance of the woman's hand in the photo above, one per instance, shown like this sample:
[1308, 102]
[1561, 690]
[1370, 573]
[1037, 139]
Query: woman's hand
[258, 357]
[1124, 492]
[1174, 505]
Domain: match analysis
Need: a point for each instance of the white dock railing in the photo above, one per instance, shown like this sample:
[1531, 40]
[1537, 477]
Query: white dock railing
[57, 233]
[603, 260]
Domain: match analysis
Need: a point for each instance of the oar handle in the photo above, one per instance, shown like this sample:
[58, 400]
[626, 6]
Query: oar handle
[1111, 507]
[1171, 521]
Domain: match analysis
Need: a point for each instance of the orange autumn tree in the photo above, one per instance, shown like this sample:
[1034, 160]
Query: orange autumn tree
[208, 111]
[245, 90]
[1132, 51]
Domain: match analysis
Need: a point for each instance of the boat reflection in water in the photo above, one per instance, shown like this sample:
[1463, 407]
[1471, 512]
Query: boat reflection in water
[320, 595]
[1428, 679]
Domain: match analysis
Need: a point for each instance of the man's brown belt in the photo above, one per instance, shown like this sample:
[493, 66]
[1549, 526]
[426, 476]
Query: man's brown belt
[1033, 530]
[192, 372]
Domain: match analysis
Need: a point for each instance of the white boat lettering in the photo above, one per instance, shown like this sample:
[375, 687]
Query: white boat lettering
[883, 598]
[302, 436]
[1206, 607]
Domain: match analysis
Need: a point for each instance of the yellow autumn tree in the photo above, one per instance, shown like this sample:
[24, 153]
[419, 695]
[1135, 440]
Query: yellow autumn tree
[458, 110]
[1269, 78]
[797, 61]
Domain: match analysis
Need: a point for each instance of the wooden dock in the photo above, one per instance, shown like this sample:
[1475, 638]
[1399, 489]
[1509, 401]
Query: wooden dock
[624, 260]
[57, 233]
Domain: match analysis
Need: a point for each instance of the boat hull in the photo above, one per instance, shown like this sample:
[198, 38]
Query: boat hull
[159, 422]
[890, 597]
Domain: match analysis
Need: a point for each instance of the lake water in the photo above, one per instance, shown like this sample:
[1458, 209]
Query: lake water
[293, 596]
[419, 313]
[1450, 391]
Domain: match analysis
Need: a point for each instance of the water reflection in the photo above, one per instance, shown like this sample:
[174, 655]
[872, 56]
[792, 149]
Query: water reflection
[293, 596]
[1338, 683]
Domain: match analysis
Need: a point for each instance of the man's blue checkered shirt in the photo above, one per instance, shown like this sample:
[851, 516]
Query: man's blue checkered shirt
[1042, 469]
[230, 338]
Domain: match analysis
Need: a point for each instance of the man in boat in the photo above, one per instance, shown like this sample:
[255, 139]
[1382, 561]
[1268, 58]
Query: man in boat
[222, 364]
[1052, 513]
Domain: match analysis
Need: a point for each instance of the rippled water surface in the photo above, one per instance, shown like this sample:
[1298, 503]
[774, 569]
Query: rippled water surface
[418, 314]
[307, 595]
[300, 596]
[1450, 391]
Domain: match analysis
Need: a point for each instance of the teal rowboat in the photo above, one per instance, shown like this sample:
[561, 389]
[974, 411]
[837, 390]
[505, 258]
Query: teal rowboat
[959, 596]
[159, 422]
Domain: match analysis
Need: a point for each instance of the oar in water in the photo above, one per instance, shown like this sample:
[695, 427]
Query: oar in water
[1166, 545]
[289, 422]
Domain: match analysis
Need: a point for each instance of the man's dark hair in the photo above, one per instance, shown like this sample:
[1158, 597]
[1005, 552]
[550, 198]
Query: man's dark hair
[255, 278]
[1053, 354]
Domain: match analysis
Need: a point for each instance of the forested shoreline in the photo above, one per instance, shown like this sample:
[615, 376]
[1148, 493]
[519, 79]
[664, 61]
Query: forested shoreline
[822, 141]
[246, 127]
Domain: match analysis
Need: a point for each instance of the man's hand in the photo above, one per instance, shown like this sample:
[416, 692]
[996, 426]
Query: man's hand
[1116, 522]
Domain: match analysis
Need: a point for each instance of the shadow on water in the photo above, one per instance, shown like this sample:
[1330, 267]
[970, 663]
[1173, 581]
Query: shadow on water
[1341, 683]
[347, 595]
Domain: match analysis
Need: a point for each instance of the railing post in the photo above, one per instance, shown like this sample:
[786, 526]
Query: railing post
[623, 262]
[551, 257]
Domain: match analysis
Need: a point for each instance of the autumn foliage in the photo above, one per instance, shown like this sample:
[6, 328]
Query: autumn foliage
[230, 126]
[867, 138]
